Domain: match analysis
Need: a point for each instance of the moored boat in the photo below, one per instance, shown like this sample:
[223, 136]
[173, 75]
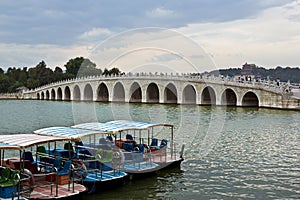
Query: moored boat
[153, 140]
[35, 173]
[101, 169]
[99, 144]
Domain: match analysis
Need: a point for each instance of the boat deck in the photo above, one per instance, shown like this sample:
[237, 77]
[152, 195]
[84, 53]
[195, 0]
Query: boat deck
[43, 191]
[105, 176]
[164, 161]
[139, 167]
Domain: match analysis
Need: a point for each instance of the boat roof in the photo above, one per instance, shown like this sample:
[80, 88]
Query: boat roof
[68, 132]
[8, 146]
[21, 141]
[87, 129]
[119, 125]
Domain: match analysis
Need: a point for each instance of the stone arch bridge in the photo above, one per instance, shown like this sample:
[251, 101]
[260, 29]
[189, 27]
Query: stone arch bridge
[165, 88]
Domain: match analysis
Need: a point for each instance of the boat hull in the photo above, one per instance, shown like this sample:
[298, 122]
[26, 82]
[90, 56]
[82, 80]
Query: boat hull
[97, 186]
[170, 164]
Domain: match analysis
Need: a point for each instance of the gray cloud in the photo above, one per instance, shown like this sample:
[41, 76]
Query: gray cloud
[62, 22]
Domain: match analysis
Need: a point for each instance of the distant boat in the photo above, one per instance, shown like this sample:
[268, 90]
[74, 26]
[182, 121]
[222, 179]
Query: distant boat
[32, 174]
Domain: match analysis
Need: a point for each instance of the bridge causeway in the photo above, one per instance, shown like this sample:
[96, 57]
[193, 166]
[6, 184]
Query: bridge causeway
[169, 88]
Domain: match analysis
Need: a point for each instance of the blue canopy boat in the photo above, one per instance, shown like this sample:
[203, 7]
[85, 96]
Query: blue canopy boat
[100, 144]
[152, 140]
[23, 175]
[102, 167]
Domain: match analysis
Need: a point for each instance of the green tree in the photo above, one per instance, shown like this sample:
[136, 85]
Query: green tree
[40, 75]
[113, 71]
[80, 67]
[105, 72]
[58, 74]
[33, 83]
[4, 83]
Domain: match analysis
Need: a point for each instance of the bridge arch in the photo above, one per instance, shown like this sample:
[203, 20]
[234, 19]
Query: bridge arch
[229, 98]
[42, 96]
[59, 94]
[76, 93]
[208, 96]
[47, 95]
[135, 93]
[38, 96]
[119, 92]
[152, 93]
[88, 93]
[102, 93]
[67, 94]
[250, 99]
[189, 94]
[170, 94]
[53, 95]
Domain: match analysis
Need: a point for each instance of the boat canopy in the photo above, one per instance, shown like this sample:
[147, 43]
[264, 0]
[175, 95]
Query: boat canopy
[21, 141]
[8, 146]
[69, 132]
[119, 125]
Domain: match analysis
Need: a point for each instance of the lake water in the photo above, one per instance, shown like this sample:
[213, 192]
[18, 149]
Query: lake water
[240, 153]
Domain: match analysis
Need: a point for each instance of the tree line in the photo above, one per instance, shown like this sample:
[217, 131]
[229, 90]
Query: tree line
[15, 78]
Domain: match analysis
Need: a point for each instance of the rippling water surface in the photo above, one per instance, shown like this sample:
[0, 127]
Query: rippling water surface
[242, 153]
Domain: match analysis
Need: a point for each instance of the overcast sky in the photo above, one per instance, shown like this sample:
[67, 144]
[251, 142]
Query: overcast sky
[204, 34]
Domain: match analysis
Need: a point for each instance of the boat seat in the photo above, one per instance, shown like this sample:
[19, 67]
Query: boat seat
[154, 144]
[5, 175]
[93, 164]
[129, 137]
[12, 180]
[68, 146]
[66, 169]
[41, 150]
[141, 148]
[127, 146]
[42, 155]
[109, 138]
[163, 143]
[57, 163]
[27, 155]
[81, 150]
[106, 155]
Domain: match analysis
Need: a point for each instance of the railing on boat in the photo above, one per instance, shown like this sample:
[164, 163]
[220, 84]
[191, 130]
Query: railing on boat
[30, 181]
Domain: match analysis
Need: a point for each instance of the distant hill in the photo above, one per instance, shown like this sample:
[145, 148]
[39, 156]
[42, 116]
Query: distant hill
[284, 74]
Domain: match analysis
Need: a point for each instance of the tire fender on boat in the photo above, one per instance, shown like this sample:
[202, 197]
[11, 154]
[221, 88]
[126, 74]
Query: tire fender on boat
[80, 170]
[30, 175]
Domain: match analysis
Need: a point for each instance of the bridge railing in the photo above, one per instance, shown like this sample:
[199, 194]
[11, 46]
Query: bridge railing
[233, 81]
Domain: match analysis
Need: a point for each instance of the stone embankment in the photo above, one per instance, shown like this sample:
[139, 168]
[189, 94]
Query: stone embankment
[10, 96]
